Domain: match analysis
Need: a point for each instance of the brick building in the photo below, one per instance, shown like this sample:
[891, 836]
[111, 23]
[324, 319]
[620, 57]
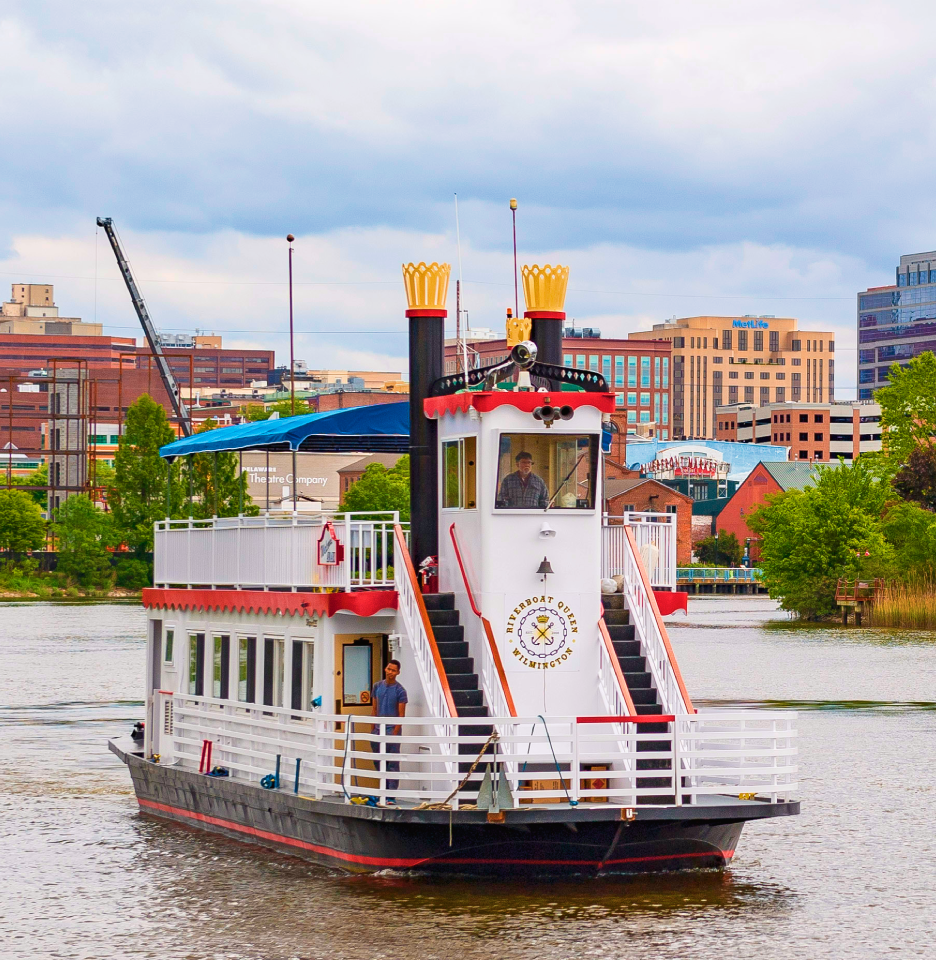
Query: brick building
[764, 479]
[644, 495]
[814, 431]
[341, 399]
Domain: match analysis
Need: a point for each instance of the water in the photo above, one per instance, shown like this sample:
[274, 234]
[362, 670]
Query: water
[83, 875]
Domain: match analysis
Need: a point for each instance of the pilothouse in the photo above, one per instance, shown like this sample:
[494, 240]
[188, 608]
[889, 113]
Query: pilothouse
[541, 725]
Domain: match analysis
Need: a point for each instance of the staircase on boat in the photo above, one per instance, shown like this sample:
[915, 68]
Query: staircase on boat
[643, 694]
[458, 666]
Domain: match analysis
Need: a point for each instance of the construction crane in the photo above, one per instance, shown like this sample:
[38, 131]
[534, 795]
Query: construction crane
[169, 381]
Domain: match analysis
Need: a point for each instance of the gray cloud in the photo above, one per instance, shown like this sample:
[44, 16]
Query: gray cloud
[721, 149]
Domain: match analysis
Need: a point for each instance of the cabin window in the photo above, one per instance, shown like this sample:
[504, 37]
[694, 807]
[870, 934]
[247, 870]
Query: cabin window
[246, 668]
[196, 665]
[459, 467]
[539, 471]
[356, 673]
[303, 678]
[167, 646]
[219, 667]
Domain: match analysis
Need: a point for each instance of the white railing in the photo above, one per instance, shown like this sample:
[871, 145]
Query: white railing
[270, 551]
[655, 534]
[726, 754]
[412, 610]
[649, 628]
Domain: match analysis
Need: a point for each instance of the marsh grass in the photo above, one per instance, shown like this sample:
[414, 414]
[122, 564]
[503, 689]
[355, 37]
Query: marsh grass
[908, 605]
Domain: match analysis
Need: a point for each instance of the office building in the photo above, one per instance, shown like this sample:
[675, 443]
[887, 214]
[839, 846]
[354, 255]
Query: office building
[818, 432]
[728, 360]
[896, 323]
[31, 309]
[638, 375]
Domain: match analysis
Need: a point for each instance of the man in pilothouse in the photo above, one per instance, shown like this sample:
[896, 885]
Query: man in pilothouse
[523, 489]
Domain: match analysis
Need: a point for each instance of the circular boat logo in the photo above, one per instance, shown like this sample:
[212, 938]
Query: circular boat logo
[543, 631]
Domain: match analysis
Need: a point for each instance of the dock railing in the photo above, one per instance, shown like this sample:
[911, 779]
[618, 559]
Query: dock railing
[722, 756]
[655, 536]
[717, 575]
[275, 552]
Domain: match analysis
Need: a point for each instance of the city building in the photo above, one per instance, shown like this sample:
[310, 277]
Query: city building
[819, 432]
[31, 310]
[764, 479]
[638, 375]
[727, 360]
[897, 322]
[645, 495]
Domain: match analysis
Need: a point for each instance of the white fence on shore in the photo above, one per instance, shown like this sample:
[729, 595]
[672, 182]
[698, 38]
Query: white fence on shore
[740, 754]
[275, 551]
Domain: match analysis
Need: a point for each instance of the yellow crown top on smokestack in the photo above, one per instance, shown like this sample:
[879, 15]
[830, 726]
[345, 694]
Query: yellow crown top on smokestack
[426, 285]
[544, 288]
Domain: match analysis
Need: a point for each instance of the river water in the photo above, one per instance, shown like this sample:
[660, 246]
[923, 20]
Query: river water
[82, 874]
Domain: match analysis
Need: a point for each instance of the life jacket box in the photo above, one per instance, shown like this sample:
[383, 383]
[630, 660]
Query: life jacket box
[595, 783]
[556, 785]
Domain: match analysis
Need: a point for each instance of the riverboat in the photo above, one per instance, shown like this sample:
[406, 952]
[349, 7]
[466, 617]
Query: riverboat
[548, 729]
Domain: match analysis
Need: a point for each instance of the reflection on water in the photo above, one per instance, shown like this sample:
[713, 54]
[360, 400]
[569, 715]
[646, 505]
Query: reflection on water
[87, 876]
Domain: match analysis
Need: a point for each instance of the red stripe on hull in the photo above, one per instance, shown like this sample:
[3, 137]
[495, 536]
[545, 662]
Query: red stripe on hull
[400, 862]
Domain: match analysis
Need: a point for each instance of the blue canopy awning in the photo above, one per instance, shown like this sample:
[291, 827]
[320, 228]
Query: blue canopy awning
[382, 427]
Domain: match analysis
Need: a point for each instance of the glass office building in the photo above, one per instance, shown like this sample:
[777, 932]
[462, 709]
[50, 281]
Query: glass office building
[896, 323]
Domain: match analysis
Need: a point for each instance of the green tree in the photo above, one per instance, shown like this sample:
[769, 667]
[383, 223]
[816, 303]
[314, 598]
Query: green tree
[282, 407]
[213, 481]
[908, 408]
[381, 489]
[35, 478]
[811, 537]
[916, 479]
[138, 495]
[21, 525]
[911, 530]
[84, 533]
[722, 550]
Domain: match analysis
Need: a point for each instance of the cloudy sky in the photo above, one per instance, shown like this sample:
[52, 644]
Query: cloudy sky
[692, 157]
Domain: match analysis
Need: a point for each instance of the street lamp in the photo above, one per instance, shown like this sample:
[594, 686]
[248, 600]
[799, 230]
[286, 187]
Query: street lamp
[292, 359]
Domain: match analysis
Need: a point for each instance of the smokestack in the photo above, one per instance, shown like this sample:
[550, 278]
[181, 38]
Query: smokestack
[426, 291]
[544, 291]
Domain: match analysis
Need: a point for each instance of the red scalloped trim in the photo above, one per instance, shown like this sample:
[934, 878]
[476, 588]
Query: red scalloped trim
[362, 603]
[436, 407]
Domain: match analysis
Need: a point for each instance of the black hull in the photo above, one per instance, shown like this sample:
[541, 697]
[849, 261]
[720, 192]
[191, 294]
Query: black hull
[533, 841]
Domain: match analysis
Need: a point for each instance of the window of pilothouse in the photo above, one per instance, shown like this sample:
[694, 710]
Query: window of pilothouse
[459, 474]
[537, 471]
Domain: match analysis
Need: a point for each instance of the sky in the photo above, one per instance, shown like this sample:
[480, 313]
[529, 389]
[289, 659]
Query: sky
[689, 158]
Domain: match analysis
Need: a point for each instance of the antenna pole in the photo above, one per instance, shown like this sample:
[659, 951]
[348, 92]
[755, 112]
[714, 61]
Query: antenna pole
[460, 344]
[292, 357]
[513, 211]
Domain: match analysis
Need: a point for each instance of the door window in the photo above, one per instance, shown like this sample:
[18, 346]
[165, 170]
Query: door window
[356, 671]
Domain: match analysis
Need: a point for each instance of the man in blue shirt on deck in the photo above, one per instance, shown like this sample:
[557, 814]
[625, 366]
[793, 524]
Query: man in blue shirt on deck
[389, 699]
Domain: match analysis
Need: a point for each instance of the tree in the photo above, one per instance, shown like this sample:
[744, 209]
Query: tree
[35, 478]
[138, 496]
[912, 531]
[722, 550]
[812, 537]
[84, 533]
[282, 407]
[381, 489]
[21, 525]
[213, 481]
[908, 407]
[916, 479]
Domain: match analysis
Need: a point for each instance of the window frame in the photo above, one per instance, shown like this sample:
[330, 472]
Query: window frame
[554, 435]
[465, 470]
